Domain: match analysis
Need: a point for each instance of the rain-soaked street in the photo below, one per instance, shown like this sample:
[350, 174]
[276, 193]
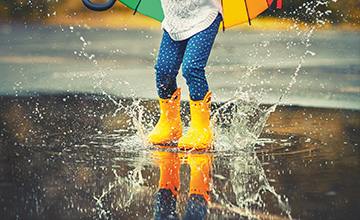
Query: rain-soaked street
[67, 157]
[76, 102]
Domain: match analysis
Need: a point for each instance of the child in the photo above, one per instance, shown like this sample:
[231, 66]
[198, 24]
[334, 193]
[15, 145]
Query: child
[190, 27]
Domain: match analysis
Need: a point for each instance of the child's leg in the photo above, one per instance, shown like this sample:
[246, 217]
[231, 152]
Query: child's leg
[168, 64]
[195, 58]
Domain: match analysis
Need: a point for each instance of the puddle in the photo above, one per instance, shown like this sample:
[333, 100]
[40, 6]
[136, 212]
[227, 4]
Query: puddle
[68, 156]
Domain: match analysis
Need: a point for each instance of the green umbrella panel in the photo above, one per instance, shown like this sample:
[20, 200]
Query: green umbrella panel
[150, 8]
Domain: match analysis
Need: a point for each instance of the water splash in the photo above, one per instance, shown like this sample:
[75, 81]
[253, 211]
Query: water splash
[253, 184]
[239, 121]
[239, 124]
[123, 193]
[101, 81]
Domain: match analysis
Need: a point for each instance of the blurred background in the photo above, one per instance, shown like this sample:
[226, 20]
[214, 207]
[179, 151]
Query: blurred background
[307, 52]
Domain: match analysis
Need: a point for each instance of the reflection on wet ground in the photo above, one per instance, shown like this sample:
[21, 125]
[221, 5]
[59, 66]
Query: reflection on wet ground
[79, 156]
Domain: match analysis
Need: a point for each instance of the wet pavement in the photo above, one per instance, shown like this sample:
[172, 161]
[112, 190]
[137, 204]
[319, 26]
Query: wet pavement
[68, 156]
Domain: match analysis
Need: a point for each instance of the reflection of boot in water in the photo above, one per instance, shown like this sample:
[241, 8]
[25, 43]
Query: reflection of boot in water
[169, 185]
[200, 166]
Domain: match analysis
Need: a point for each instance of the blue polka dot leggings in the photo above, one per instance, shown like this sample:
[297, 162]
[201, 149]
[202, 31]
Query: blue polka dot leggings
[193, 54]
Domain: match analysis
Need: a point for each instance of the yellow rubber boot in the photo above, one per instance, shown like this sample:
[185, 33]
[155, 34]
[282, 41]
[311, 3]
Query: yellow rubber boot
[169, 164]
[200, 166]
[200, 134]
[168, 129]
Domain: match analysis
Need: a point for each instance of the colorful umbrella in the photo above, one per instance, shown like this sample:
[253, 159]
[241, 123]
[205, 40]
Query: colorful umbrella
[234, 11]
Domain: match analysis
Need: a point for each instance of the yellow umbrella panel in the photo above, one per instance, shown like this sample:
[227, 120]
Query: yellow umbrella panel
[242, 11]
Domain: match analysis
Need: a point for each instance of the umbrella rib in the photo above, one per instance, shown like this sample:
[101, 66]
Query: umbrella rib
[223, 22]
[137, 6]
[247, 11]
